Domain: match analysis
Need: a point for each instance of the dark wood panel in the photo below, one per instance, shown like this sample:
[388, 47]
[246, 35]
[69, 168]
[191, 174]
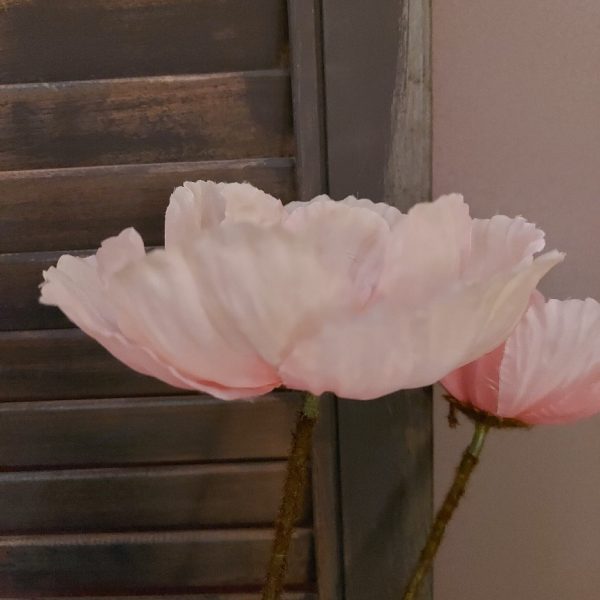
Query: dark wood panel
[66, 364]
[98, 39]
[149, 562]
[209, 596]
[141, 498]
[160, 119]
[176, 429]
[69, 209]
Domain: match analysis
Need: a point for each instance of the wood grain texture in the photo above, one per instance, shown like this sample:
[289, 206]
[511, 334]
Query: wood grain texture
[144, 562]
[159, 119]
[408, 173]
[129, 431]
[71, 209]
[207, 596]
[385, 445]
[63, 364]
[99, 39]
[142, 498]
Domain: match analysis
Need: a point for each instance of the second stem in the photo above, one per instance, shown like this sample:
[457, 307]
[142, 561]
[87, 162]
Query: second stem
[467, 464]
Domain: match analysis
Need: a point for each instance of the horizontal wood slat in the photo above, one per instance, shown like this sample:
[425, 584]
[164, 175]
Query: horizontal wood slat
[160, 119]
[70, 39]
[70, 209]
[149, 562]
[63, 364]
[123, 431]
[148, 498]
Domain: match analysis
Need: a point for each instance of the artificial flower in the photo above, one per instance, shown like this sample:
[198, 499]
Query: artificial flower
[547, 371]
[350, 297]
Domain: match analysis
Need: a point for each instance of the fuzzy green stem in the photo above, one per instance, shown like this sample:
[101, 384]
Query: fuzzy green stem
[467, 464]
[294, 494]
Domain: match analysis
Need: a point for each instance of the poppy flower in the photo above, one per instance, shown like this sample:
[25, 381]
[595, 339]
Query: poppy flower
[350, 297]
[547, 371]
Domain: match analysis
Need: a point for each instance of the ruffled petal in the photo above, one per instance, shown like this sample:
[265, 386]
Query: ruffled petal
[75, 287]
[390, 214]
[117, 252]
[194, 206]
[410, 348]
[427, 251]
[246, 204]
[228, 307]
[350, 241]
[501, 243]
[551, 367]
[198, 205]
[78, 287]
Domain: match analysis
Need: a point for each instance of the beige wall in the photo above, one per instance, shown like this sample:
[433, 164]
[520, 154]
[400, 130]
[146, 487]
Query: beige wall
[517, 130]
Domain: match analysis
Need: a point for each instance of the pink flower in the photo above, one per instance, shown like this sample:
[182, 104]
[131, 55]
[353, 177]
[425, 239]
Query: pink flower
[350, 297]
[548, 371]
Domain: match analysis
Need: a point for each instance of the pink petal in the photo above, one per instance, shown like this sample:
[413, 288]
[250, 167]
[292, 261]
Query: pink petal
[247, 204]
[390, 214]
[477, 383]
[427, 250]
[501, 243]
[551, 368]
[351, 241]
[202, 204]
[75, 286]
[117, 252]
[412, 347]
[228, 307]
[192, 208]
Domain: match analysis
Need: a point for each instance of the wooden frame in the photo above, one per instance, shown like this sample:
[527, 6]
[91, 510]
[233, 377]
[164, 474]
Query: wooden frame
[376, 89]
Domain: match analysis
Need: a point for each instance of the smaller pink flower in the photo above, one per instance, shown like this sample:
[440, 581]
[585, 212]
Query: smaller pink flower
[547, 371]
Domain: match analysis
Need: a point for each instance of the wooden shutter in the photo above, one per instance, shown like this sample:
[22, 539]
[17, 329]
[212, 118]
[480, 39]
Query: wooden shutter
[114, 484]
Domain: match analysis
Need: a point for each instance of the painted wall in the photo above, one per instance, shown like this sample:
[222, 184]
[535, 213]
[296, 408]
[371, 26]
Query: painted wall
[517, 130]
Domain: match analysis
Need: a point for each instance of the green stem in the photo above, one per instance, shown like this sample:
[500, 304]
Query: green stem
[294, 494]
[467, 464]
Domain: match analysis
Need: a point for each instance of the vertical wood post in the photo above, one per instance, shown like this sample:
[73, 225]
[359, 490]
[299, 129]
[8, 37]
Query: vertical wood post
[377, 77]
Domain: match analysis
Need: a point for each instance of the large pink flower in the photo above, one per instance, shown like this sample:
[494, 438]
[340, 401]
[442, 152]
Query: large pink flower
[350, 297]
[548, 371]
